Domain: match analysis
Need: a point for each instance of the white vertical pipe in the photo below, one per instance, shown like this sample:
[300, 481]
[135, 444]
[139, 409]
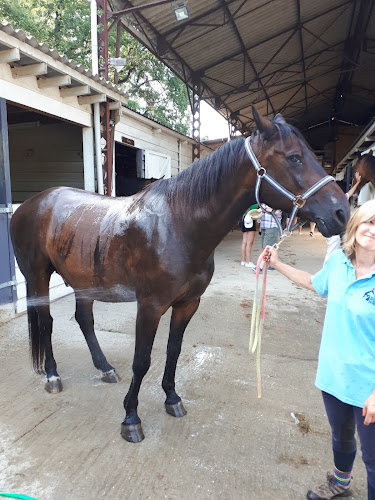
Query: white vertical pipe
[95, 71]
[88, 158]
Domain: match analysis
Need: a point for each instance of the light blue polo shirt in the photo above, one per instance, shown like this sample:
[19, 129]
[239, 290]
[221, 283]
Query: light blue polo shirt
[346, 367]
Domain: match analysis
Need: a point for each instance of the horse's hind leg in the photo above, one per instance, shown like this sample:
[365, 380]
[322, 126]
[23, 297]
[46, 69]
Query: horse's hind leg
[40, 330]
[181, 315]
[85, 319]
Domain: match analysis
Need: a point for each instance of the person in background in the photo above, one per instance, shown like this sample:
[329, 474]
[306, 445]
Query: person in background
[248, 227]
[334, 242]
[346, 366]
[312, 228]
[268, 227]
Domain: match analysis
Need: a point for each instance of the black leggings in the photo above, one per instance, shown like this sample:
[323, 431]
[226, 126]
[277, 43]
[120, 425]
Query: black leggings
[343, 419]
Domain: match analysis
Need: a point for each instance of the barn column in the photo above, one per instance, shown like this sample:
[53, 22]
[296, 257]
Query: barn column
[196, 111]
[7, 267]
[88, 158]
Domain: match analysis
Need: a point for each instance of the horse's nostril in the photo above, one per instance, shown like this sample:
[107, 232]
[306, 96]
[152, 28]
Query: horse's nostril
[342, 216]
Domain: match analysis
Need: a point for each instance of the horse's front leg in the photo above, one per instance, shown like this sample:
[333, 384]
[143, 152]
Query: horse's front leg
[85, 319]
[181, 315]
[148, 317]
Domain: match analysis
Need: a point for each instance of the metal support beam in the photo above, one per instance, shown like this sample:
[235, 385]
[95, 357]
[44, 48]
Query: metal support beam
[196, 113]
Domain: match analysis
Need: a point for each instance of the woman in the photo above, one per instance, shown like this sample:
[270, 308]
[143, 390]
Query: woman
[346, 366]
[248, 235]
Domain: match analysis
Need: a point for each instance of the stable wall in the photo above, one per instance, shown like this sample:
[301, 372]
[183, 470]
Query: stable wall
[44, 156]
[149, 136]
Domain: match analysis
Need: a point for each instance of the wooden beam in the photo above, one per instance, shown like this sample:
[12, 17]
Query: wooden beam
[29, 70]
[55, 81]
[91, 99]
[370, 138]
[75, 91]
[114, 105]
[9, 55]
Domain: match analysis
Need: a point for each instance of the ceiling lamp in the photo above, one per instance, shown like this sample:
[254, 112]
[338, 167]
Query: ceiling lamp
[180, 11]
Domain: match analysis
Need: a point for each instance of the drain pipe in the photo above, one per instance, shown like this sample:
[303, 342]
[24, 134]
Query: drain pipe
[96, 105]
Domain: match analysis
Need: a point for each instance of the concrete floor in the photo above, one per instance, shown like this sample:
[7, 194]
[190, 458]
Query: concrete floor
[230, 445]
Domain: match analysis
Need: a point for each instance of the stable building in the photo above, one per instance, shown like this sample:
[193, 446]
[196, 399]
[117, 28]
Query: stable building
[50, 135]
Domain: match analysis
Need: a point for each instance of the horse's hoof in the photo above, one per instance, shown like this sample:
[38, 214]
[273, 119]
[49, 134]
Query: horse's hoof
[176, 410]
[110, 377]
[132, 433]
[53, 385]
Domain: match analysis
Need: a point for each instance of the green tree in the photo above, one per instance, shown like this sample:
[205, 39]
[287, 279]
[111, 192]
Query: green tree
[65, 26]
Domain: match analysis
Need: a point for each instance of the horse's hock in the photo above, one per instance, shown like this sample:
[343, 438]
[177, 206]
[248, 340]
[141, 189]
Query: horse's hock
[229, 441]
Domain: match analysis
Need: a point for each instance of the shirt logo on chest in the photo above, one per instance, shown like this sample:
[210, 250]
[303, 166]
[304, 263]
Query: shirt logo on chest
[370, 296]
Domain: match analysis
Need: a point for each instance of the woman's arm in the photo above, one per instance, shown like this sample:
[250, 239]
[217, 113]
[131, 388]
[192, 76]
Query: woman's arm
[357, 180]
[301, 278]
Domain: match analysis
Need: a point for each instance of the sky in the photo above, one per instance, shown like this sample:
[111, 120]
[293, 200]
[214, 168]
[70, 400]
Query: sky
[213, 125]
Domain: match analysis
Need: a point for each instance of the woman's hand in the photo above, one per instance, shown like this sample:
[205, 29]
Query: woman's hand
[273, 257]
[369, 410]
[357, 178]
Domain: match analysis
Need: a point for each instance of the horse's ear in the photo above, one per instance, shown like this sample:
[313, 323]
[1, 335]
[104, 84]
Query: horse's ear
[371, 152]
[264, 125]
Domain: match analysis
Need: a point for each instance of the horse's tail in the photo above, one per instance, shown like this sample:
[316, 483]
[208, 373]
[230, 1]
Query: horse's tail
[36, 340]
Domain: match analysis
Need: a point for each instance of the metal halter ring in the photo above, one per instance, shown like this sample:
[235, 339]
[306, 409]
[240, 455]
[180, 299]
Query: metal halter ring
[299, 201]
[262, 171]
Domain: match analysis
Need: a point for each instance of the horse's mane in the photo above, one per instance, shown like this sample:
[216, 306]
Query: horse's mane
[196, 185]
[369, 161]
[198, 182]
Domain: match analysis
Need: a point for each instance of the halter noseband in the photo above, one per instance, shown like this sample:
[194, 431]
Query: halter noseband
[298, 200]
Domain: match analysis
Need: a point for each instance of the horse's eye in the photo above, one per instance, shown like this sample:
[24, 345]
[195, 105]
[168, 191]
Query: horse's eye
[295, 159]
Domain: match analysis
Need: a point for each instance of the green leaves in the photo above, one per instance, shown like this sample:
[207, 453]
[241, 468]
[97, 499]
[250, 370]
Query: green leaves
[64, 25]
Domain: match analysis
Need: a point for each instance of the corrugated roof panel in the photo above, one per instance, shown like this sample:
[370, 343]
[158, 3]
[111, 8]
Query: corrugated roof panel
[266, 22]
[199, 58]
[321, 8]
[276, 53]
[325, 32]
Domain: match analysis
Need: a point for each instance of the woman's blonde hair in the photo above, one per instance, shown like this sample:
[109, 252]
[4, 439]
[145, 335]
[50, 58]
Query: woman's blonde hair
[364, 213]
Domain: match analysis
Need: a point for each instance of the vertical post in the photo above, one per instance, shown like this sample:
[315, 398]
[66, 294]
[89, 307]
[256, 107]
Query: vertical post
[88, 158]
[106, 132]
[96, 106]
[117, 49]
[233, 125]
[196, 111]
[8, 293]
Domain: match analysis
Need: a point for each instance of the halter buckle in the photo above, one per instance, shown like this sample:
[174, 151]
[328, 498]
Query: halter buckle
[299, 201]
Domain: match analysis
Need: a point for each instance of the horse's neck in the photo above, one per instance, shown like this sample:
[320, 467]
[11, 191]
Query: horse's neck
[210, 218]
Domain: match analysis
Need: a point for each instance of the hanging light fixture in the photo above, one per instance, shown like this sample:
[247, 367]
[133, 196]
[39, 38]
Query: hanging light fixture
[180, 11]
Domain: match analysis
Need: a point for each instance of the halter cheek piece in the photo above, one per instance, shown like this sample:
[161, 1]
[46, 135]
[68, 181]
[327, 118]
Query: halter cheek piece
[298, 200]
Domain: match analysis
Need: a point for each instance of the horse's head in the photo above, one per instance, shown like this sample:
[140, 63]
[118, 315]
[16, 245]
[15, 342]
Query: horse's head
[284, 154]
[365, 166]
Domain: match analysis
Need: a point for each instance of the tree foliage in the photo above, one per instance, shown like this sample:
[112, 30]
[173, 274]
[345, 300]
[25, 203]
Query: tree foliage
[65, 26]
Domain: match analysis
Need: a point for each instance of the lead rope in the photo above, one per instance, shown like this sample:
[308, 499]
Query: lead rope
[259, 307]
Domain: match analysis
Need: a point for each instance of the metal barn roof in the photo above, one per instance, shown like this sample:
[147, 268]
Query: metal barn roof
[313, 62]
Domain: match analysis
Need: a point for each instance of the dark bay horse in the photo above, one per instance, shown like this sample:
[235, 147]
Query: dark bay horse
[156, 247]
[365, 166]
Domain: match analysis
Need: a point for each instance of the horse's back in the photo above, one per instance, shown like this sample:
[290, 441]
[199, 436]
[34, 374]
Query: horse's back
[42, 216]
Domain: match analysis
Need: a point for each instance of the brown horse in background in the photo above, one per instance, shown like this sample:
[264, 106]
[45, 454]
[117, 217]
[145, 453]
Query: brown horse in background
[157, 247]
[365, 166]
